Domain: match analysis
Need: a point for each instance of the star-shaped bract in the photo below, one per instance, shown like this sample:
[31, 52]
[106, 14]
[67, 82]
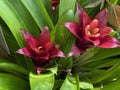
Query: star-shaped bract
[40, 49]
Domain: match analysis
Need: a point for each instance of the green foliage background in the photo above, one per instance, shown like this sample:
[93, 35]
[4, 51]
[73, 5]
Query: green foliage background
[96, 69]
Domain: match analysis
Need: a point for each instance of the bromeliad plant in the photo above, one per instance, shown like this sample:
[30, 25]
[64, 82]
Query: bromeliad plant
[91, 32]
[40, 50]
[59, 45]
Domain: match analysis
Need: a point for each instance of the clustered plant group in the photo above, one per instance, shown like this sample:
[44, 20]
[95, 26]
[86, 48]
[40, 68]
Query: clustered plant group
[59, 45]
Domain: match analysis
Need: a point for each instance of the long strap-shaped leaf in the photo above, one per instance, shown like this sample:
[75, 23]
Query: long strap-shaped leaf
[65, 5]
[11, 82]
[13, 68]
[14, 22]
[39, 13]
[64, 35]
[11, 18]
[25, 17]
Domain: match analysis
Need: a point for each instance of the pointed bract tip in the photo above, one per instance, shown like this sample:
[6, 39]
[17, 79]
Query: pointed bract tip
[67, 24]
[104, 11]
[20, 51]
[46, 28]
[23, 31]
[79, 8]
[61, 54]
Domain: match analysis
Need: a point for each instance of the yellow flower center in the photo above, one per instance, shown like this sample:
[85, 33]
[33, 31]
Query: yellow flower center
[92, 30]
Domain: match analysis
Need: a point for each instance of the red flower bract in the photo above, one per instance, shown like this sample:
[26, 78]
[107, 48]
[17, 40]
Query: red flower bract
[54, 4]
[40, 50]
[91, 32]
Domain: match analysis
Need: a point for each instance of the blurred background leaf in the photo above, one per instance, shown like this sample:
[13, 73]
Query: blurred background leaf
[95, 3]
[114, 15]
[11, 82]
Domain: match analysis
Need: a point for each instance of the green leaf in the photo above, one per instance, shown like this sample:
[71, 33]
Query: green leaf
[95, 72]
[3, 60]
[70, 83]
[86, 85]
[94, 4]
[53, 69]
[12, 68]
[38, 11]
[9, 38]
[114, 85]
[97, 88]
[60, 29]
[82, 58]
[19, 59]
[108, 75]
[58, 84]
[104, 53]
[64, 6]
[10, 82]
[80, 61]
[25, 16]
[65, 35]
[42, 81]
[7, 12]
[84, 3]
[114, 1]
[48, 5]
[99, 64]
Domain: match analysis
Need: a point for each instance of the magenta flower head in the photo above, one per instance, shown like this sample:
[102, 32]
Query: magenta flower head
[40, 50]
[92, 32]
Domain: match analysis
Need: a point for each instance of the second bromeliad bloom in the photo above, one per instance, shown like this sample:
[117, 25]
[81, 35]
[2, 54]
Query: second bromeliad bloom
[91, 32]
